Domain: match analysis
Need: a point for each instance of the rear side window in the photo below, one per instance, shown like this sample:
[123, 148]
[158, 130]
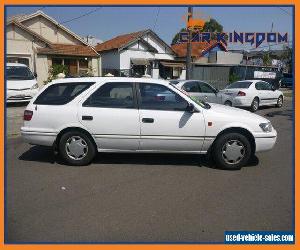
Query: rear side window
[263, 86]
[62, 93]
[191, 87]
[112, 95]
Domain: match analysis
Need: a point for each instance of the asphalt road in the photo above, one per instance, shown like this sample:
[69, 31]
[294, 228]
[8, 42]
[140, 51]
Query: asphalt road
[146, 197]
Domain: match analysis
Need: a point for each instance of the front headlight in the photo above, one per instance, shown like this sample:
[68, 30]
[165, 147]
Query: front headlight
[35, 86]
[266, 127]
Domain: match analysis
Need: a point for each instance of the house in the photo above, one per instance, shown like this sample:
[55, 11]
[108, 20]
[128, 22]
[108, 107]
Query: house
[139, 53]
[204, 52]
[39, 41]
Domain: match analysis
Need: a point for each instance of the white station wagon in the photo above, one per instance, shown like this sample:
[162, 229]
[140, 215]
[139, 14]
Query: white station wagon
[81, 116]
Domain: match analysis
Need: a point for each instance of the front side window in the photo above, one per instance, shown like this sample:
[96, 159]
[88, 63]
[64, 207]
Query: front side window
[191, 87]
[62, 93]
[18, 73]
[159, 97]
[205, 88]
[112, 95]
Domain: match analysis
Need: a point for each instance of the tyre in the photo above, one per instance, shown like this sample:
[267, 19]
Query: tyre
[232, 151]
[279, 102]
[228, 103]
[254, 105]
[76, 148]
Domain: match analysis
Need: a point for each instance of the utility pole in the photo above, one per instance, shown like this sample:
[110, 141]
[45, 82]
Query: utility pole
[189, 47]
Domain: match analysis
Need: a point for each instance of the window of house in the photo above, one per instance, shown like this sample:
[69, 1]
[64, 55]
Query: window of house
[18, 60]
[57, 61]
[159, 97]
[112, 95]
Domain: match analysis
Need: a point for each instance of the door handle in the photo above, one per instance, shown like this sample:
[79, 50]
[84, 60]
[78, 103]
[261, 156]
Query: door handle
[87, 117]
[147, 120]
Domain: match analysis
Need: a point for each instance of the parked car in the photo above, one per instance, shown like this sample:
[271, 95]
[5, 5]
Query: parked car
[21, 83]
[81, 116]
[286, 81]
[253, 94]
[200, 90]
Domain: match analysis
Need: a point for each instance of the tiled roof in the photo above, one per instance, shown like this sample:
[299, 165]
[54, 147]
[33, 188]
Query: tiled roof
[118, 41]
[68, 49]
[198, 48]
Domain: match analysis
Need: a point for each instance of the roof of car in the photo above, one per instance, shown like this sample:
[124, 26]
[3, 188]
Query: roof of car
[114, 79]
[16, 64]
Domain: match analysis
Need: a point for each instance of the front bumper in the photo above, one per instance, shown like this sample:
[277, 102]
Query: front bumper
[265, 141]
[20, 95]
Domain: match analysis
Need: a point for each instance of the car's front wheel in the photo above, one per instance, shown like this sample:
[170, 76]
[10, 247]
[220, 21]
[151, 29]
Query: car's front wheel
[76, 148]
[232, 151]
[279, 102]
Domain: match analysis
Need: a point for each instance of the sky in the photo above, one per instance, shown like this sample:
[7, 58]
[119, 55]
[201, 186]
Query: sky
[107, 22]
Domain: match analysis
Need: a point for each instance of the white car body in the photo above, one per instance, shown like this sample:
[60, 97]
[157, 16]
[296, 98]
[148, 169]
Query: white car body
[20, 89]
[266, 96]
[122, 130]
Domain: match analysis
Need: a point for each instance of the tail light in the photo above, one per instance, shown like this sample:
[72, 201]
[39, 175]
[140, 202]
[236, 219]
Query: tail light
[27, 115]
[241, 93]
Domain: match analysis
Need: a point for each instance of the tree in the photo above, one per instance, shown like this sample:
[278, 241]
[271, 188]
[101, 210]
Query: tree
[287, 57]
[210, 26]
[267, 61]
[176, 37]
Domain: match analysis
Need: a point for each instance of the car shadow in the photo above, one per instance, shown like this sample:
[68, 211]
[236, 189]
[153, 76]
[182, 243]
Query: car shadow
[46, 155]
[288, 113]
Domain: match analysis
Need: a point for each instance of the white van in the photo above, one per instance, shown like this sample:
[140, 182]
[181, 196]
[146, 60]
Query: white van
[21, 83]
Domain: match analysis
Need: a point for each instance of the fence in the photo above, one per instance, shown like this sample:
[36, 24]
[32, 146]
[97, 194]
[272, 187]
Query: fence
[219, 75]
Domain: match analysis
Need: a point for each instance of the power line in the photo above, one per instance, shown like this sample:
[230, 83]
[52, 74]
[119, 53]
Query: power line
[155, 22]
[83, 15]
[285, 11]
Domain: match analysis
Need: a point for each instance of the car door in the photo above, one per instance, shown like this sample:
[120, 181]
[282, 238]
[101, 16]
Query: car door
[165, 123]
[270, 93]
[265, 93]
[111, 115]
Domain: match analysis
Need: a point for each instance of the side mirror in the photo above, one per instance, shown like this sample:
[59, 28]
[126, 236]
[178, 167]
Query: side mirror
[190, 108]
[273, 88]
[35, 75]
[217, 91]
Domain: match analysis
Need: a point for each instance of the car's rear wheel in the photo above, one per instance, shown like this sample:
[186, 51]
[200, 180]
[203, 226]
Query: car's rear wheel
[232, 151]
[254, 105]
[228, 103]
[76, 148]
[279, 102]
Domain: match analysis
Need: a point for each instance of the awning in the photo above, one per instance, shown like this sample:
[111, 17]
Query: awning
[140, 61]
[173, 64]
